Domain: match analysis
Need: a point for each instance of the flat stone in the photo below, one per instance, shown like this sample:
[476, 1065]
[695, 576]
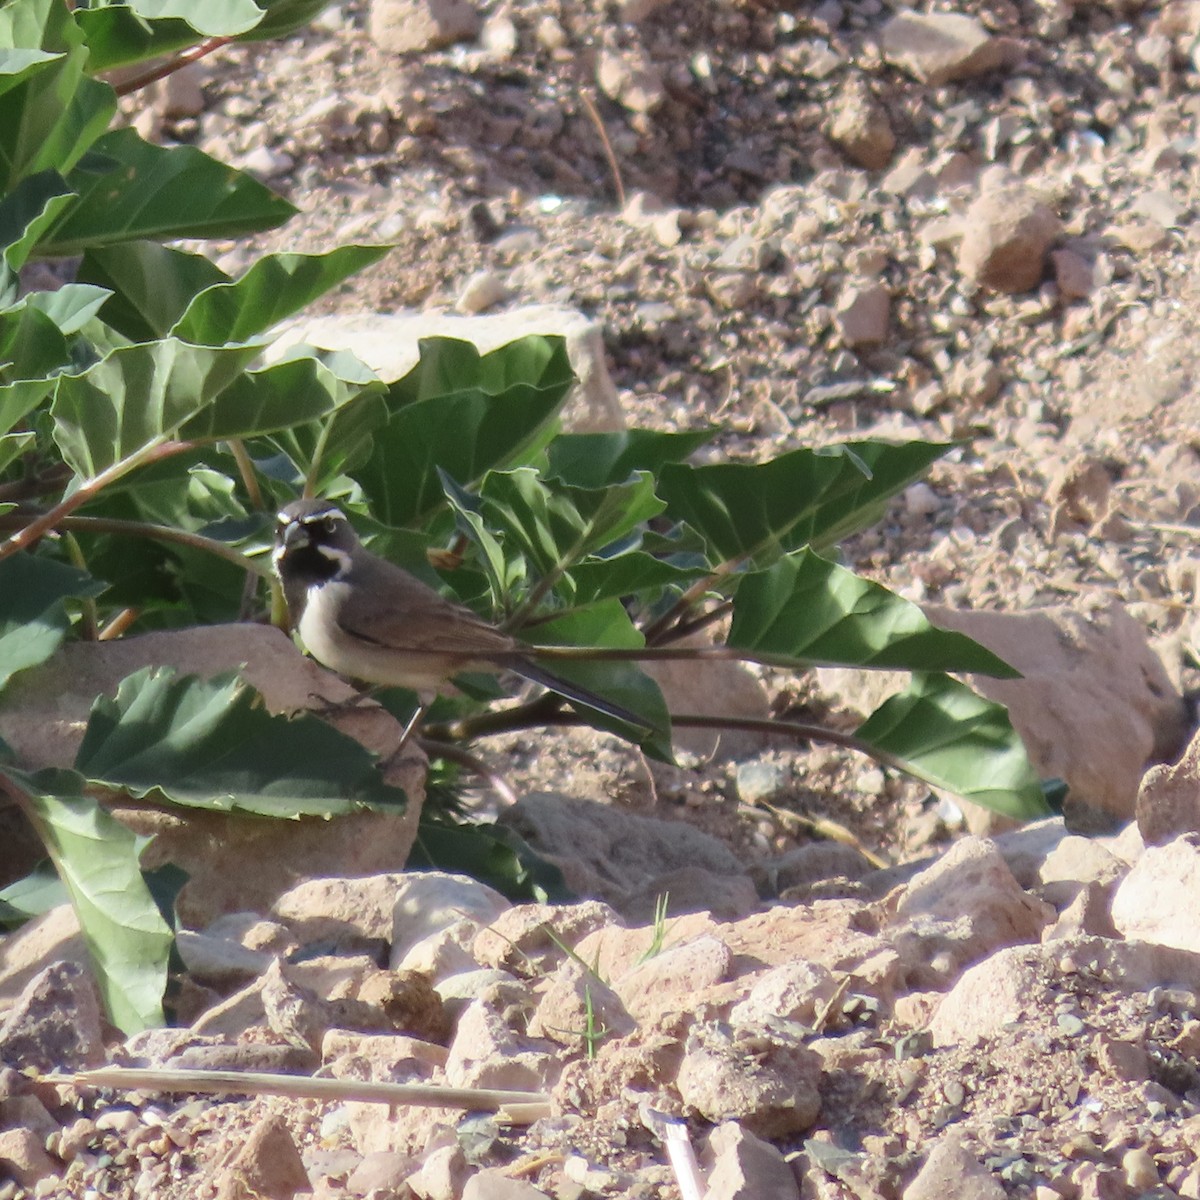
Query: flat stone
[938, 48]
[388, 344]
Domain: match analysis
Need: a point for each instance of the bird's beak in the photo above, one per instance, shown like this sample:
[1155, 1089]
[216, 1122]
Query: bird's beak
[294, 534]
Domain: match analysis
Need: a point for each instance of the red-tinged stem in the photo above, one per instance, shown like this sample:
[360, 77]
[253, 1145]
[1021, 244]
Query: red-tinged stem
[40, 526]
[191, 55]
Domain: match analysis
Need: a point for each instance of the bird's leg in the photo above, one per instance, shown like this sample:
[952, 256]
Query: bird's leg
[413, 721]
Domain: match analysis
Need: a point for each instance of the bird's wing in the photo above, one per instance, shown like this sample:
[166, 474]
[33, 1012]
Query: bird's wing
[391, 608]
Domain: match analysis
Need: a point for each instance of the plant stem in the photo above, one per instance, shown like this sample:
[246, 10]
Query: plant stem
[190, 55]
[507, 720]
[91, 629]
[162, 533]
[245, 468]
[52, 518]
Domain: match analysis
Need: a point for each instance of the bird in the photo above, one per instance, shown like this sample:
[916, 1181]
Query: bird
[368, 619]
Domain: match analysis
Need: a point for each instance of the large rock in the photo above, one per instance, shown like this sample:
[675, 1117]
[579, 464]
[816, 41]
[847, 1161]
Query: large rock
[234, 862]
[938, 48]
[971, 893]
[388, 344]
[1168, 802]
[1094, 704]
[951, 1170]
[615, 855]
[1021, 979]
[860, 128]
[1159, 898]
[408, 26]
[1007, 235]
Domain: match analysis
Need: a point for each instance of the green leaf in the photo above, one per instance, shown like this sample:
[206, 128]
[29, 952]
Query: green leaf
[151, 285]
[70, 307]
[33, 618]
[12, 445]
[27, 211]
[118, 34]
[54, 112]
[284, 17]
[608, 624]
[627, 575]
[492, 854]
[954, 739]
[805, 610]
[758, 511]
[596, 459]
[462, 413]
[138, 396]
[211, 744]
[322, 450]
[97, 858]
[287, 393]
[555, 525]
[17, 65]
[118, 37]
[273, 288]
[130, 189]
[39, 892]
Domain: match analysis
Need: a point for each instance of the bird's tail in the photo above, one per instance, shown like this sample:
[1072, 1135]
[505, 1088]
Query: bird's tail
[527, 669]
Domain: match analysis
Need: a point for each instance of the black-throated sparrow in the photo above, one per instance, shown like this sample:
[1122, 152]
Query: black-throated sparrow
[364, 617]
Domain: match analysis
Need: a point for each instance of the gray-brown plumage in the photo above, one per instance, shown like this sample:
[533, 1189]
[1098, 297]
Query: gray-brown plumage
[368, 619]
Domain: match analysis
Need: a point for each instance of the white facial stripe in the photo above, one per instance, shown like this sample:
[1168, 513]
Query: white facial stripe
[335, 555]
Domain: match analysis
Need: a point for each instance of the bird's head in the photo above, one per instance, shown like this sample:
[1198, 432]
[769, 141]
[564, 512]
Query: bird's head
[313, 540]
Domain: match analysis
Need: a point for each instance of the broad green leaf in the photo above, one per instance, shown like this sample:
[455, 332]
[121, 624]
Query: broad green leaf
[27, 211]
[284, 17]
[758, 511]
[33, 618]
[273, 288]
[555, 524]
[286, 393]
[55, 111]
[597, 459]
[465, 414]
[627, 575]
[97, 858]
[948, 735]
[32, 352]
[504, 572]
[125, 33]
[151, 285]
[39, 892]
[211, 744]
[71, 307]
[12, 445]
[18, 64]
[118, 37]
[130, 189]
[608, 624]
[493, 854]
[324, 449]
[136, 397]
[805, 610]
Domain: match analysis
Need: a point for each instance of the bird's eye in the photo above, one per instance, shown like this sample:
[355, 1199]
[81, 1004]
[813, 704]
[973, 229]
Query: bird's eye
[329, 525]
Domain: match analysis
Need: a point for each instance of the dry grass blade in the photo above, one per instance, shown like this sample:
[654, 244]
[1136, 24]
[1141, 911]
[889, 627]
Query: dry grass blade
[528, 1106]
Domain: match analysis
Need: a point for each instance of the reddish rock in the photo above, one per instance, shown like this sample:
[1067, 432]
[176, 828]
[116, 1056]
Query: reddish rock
[1168, 800]
[939, 48]
[862, 315]
[268, 1167]
[747, 1168]
[1007, 235]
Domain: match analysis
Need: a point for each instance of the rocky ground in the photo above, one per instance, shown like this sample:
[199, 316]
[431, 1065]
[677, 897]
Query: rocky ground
[800, 225]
